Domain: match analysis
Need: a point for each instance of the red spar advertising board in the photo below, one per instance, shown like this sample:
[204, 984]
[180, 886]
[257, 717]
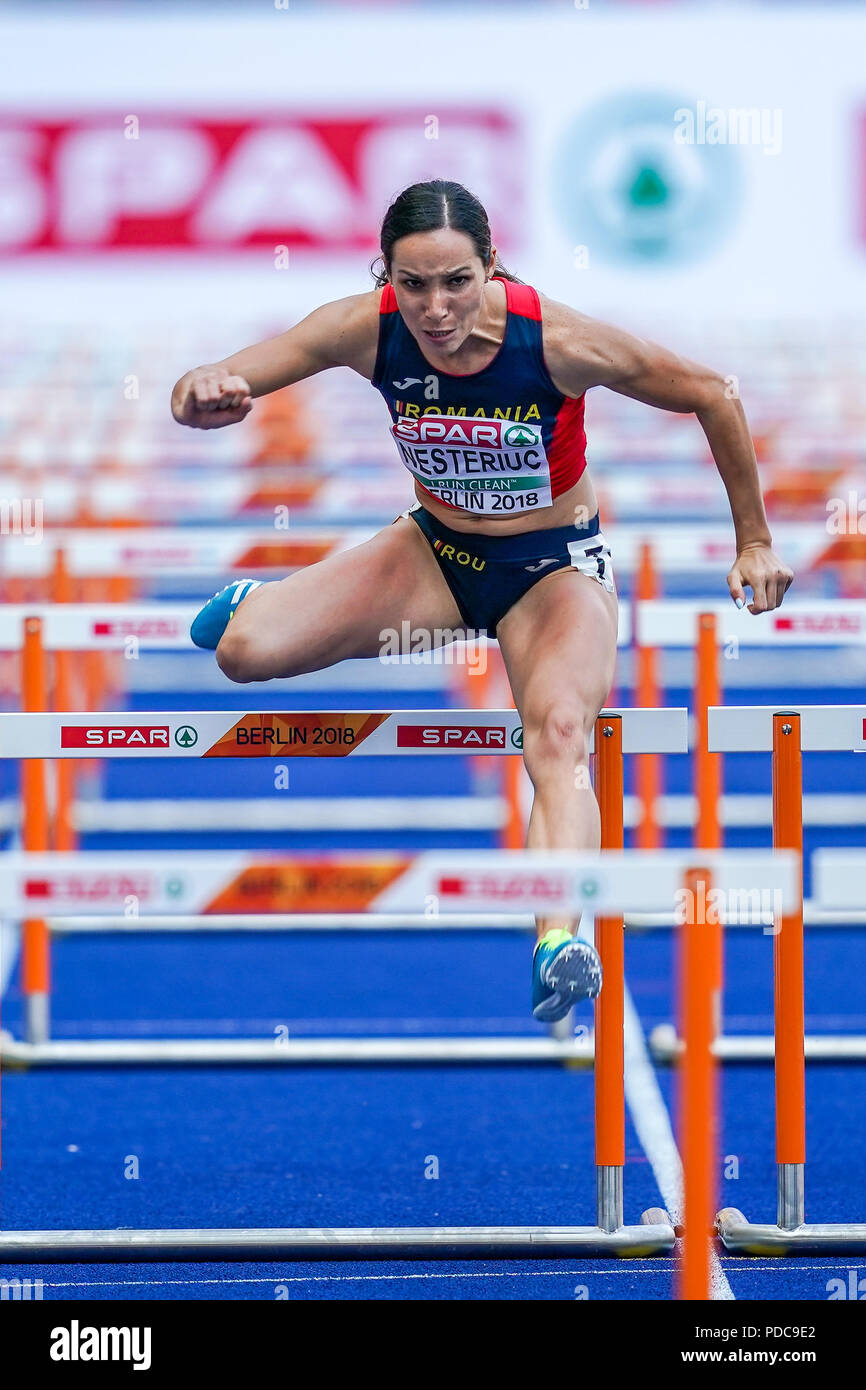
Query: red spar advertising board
[153, 181]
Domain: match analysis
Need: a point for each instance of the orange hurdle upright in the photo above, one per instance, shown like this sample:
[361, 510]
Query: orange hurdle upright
[65, 771]
[788, 983]
[697, 1087]
[609, 1006]
[35, 943]
[708, 779]
[647, 765]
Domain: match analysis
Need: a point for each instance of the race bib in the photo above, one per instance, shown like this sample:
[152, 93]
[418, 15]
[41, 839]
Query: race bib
[481, 465]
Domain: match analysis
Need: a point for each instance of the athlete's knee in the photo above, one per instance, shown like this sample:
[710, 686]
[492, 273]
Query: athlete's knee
[555, 736]
[240, 656]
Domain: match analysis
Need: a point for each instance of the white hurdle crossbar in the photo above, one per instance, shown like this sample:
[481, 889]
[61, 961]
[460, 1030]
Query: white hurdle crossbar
[304, 733]
[749, 729]
[299, 733]
[838, 882]
[610, 881]
[214, 551]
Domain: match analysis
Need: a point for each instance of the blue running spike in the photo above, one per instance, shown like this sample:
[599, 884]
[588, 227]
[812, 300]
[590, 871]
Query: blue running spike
[564, 971]
[210, 622]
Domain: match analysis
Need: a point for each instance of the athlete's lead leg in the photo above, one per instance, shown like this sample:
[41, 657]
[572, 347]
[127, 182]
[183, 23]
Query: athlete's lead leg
[352, 604]
[559, 647]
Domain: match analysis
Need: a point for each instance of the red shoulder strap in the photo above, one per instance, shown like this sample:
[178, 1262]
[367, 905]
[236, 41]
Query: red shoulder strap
[388, 302]
[521, 299]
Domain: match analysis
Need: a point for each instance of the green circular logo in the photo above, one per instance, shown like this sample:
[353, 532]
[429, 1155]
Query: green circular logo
[589, 887]
[636, 181]
[174, 887]
[517, 737]
[520, 434]
[185, 737]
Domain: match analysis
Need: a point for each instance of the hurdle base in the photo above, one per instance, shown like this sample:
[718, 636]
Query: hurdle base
[666, 1046]
[654, 1236]
[15, 1052]
[754, 1238]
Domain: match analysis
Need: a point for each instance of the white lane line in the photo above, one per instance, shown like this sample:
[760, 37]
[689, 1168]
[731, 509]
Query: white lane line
[585, 1272]
[652, 1123]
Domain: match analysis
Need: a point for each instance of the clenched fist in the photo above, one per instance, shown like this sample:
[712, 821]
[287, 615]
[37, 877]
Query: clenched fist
[766, 575]
[209, 397]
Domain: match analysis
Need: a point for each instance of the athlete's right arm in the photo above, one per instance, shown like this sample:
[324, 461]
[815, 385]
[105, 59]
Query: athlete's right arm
[341, 334]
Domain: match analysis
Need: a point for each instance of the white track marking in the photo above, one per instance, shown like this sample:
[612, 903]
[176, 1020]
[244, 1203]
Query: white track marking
[661, 1264]
[652, 1123]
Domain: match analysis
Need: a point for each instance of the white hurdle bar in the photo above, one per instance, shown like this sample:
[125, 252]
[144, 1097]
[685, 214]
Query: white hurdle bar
[663, 623]
[541, 882]
[306, 733]
[748, 729]
[839, 879]
[149, 552]
[164, 627]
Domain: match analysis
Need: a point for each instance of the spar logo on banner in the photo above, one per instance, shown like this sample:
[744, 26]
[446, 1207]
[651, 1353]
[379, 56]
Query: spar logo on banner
[90, 888]
[515, 889]
[820, 624]
[96, 182]
[138, 736]
[107, 889]
[148, 629]
[451, 736]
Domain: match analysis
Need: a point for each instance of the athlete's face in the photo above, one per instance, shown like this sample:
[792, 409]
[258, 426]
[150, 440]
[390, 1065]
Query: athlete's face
[439, 278]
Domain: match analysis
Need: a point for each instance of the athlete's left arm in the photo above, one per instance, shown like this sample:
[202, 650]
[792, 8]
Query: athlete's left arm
[582, 352]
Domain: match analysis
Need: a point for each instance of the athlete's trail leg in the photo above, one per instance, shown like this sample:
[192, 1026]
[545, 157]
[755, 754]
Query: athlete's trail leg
[559, 647]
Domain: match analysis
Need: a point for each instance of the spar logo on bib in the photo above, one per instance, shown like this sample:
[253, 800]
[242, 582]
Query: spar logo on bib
[476, 463]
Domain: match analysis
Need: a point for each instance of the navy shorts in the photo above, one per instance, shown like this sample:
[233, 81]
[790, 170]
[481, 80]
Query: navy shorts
[488, 574]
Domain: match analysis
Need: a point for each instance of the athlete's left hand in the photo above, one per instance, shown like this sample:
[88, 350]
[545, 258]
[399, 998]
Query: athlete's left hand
[767, 576]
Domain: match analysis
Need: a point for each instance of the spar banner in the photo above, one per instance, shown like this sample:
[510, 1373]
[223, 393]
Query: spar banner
[158, 884]
[304, 733]
[706, 546]
[259, 734]
[159, 181]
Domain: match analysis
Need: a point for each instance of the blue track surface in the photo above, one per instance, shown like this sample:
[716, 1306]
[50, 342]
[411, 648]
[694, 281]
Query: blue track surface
[349, 1146]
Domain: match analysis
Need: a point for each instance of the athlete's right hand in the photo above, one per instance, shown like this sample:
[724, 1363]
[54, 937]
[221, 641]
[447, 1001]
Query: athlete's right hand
[209, 397]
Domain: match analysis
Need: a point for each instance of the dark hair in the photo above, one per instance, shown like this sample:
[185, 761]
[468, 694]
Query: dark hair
[428, 207]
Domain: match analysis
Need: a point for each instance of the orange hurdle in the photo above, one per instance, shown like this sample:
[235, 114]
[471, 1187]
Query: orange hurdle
[35, 941]
[609, 1006]
[788, 984]
[697, 1089]
[647, 765]
[64, 837]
